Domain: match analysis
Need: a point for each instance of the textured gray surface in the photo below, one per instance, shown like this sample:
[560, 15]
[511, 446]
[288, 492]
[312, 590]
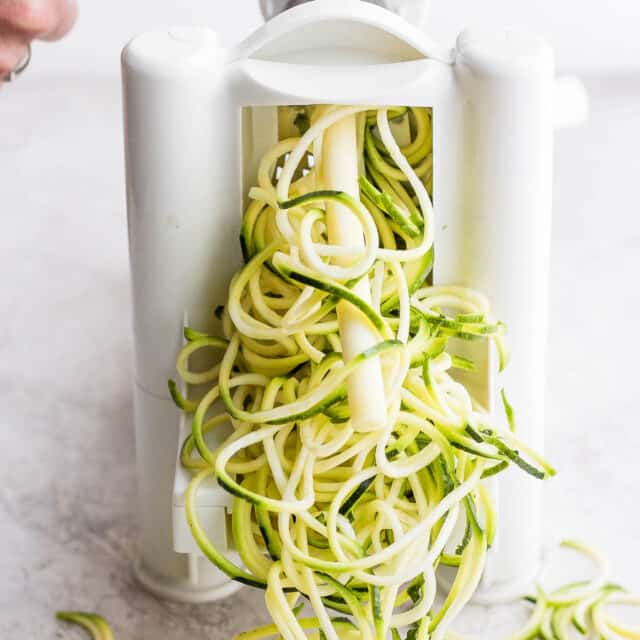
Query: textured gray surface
[67, 509]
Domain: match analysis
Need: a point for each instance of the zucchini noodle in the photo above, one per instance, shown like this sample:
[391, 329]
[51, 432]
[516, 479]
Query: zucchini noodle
[352, 520]
[94, 624]
[577, 609]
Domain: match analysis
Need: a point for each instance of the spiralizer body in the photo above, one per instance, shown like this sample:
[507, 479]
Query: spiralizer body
[197, 119]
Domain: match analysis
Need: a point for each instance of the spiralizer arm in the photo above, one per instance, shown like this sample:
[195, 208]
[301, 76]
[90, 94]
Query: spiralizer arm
[502, 237]
[180, 225]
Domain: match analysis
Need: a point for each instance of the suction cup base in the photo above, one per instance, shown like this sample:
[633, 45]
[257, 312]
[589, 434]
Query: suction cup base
[180, 590]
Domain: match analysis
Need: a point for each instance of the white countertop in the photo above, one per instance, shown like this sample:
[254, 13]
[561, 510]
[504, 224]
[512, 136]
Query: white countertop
[67, 494]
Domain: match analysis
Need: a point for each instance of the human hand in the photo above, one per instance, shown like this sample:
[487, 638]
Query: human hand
[22, 21]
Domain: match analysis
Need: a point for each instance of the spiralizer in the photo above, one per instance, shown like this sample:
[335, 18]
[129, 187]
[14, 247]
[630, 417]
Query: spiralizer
[198, 117]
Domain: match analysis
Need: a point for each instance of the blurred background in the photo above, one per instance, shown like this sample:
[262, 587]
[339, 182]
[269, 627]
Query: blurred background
[587, 36]
[67, 487]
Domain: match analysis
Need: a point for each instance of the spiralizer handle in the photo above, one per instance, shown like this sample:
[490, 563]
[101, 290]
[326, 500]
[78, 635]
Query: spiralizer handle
[570, 102]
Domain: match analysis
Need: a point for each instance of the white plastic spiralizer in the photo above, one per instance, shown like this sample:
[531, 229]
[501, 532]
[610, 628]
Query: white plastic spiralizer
[197, 118]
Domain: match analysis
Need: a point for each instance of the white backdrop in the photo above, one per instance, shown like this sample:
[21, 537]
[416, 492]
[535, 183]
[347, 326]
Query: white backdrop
[587, 35]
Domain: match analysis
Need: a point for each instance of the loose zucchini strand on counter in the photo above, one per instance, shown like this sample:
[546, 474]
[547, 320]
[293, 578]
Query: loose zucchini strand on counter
[96, 625]
[578, 609]
[352, 451]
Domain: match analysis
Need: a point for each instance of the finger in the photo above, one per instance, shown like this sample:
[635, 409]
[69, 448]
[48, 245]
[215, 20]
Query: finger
[67, 15]
[13, 50]
[45, 19]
